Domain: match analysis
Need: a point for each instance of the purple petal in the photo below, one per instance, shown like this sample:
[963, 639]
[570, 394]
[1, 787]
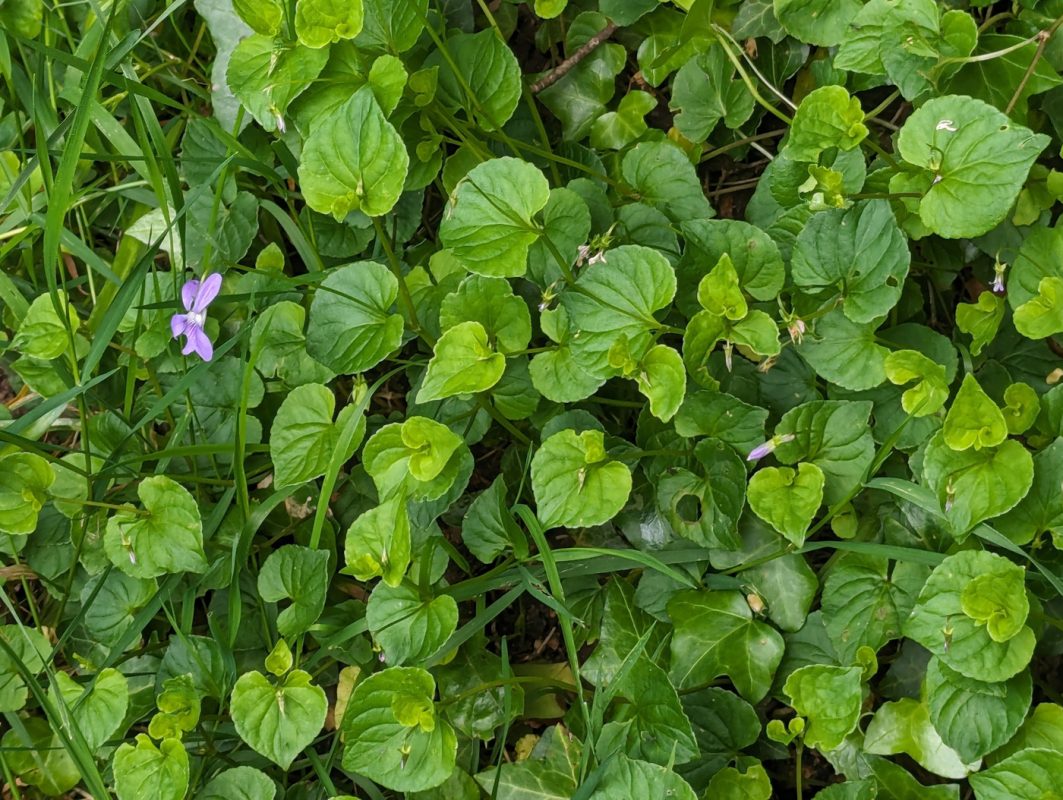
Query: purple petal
[179, 324]
[188, 293]
[198, 342]
[761, 450]
[208, 290]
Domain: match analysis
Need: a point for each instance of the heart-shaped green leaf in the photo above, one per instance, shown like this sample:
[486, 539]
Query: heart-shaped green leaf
[787, 499]
[974, 420]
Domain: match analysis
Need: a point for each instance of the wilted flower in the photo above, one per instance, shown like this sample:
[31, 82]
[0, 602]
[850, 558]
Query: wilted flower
[196, 296]
[769, 446]
[797, 330]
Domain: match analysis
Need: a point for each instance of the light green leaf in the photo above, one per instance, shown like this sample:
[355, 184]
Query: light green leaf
[721, 416]
[99, 708]
[387, 79]
[491, 302]
[166, 536]
[617, 297]
[974, 420]
[278, 720]
[939, 623]
[1042, 315]
[730, 784]
[821, 22]
[663, 177]
[844, 352]
[267, 74]
[859, 252]
[974, 717]
[351, 325]
[833, 435]
[975, 161]
[1041, 509]
[755, 335]
[487, 84]
[31, 648]
[720, 293]
[319, 23]
[1036, 260]
[866, 603]
[999, 601]
[931, 389]
[298, 574]
[419, 455]
[390, 27]
[715, 634]
[179, 708]
[1028, 773]
[408, 626]
[304, 437]
[43, 333]
[24, 481]
[1042, 729]
[488, 222]
[903, 726]
[144, 771]
[463, 363]
[787, 500]
[827, 117]
[239, 783]
[615, 130]
[264, 16]
[488, 527]
[1021, 407]
[353, 160]
[662, 379]
[830, 698]
[394, 735]
[378, 543]
[627, 778]
[574, 482]
[883, 24]
[24, 17]
[974, 485]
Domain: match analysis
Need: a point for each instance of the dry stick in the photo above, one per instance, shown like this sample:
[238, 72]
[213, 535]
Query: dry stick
[1042, 40]
[558, 72]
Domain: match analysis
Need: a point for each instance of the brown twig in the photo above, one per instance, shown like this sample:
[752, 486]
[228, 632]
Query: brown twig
[1042, 41]
[558, 72]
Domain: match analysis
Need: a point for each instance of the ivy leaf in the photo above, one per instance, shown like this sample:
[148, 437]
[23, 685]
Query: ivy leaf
[715, 634]
[931, 389]
[24, 481]
[300, 575]
[479, 713]
[353, 160]
[903, 726]
[488, 225]
[705, 93]
[718, 494]
[267, 74]
[351, 326]
[860, 251]
[833, 435]
[662, 176]
[827, 117]
[820, 22]
[939, 623]
[865, 603]
[167, 536]
[844, 352]
[974, 717]
[394, 734]
[278, 720]
[304, 436]
[487, 83]
[407, 626]
[146, 771]
[975, 161]
[974, 485]
[1028, 773]
[974, 420]
[575, 484]
[787, 500]
[830, 698]
[378, 543]
[723, 724]
[463, 363]
[753, 253]
[1042, 315]
[319, 23]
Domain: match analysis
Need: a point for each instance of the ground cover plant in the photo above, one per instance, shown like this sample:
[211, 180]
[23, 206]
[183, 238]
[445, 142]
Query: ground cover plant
[597, 399]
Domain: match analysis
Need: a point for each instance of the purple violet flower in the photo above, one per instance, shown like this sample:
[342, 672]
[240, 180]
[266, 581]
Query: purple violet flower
[768, 447]
[196, 296]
